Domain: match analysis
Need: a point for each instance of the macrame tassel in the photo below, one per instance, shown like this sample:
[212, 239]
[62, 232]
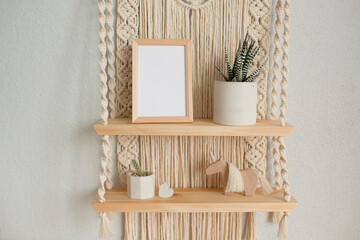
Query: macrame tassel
[105, 226]
[283, 228]
[250, 232]
[267, 189]
[276, 217]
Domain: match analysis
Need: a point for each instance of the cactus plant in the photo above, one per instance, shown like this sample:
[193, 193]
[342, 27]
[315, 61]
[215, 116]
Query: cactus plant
[244, 57]
[139, 172]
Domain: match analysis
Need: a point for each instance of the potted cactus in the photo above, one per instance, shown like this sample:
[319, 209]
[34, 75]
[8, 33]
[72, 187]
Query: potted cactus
[235, 99]
[140, 184]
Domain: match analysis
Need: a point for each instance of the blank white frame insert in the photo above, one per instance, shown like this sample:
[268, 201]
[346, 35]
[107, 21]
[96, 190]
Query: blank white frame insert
[162, 84]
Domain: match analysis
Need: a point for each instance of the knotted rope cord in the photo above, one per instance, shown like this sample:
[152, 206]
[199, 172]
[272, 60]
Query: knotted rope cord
[103, 63]
[111, 83]
[111, 58]
[104, 101]
[283, 96]
[274, 97]
[283, 233]
[105, 227]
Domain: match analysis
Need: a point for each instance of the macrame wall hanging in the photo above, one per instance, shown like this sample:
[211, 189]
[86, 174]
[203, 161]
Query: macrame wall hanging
[178, 160]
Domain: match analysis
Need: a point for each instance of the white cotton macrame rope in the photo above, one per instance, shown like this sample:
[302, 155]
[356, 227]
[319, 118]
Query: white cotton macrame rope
[250, 231]
[274, 97]
[111, 58]
[103, 163]
[111, 83]
[103, 63]
[283, 232]
[284, 69]
[104, 112]
[283, 106]
[105, 226]
[276, 60]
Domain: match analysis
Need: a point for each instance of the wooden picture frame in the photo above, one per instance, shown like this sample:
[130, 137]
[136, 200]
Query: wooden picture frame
[161, 81]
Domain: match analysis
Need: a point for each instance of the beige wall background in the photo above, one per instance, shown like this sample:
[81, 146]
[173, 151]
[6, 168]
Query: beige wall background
[49, 95]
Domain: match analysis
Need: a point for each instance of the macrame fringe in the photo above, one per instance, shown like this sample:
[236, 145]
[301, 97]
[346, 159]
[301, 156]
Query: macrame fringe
[105, 226]
[283, 228]
[276, 217]
[250, 232]
[267, 189]
[130, 226]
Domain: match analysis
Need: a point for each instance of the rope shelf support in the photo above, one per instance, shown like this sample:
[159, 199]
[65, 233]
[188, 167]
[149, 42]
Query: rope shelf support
[111, 83]
[274, 97]
[105, 227]
[283, 232]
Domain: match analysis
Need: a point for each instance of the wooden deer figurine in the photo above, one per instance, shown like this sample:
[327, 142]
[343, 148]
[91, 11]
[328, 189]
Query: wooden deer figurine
[236, 180]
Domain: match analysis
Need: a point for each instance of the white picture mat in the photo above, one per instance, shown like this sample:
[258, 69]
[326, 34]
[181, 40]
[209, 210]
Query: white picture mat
[161, 81]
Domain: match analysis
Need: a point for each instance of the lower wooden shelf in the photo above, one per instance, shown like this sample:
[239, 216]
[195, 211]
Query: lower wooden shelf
[195, 200]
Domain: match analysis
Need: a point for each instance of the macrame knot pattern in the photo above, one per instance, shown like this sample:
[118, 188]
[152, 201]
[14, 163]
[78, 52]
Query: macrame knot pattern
[127, 150]
[255, 153]
[126, 29]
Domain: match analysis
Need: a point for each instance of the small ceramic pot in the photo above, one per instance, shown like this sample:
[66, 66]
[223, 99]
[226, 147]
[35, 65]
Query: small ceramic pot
[235, 103]
[140, 187]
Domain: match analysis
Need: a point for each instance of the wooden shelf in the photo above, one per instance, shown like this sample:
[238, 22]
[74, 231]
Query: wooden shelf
[200, 127]
[195, 200]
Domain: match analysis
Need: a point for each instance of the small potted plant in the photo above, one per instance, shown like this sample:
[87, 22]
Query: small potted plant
[140, 184]
[235, 99]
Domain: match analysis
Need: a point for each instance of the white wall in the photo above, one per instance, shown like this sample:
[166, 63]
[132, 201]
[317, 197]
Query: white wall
[49, 91]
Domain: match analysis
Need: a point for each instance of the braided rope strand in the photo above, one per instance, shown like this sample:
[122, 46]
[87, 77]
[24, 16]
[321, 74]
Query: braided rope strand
[104, 101]
[283, 96]
[274, 95]
[103, 162]
[111, 83]
[103, 63]
[111, 57]
[276, 57]
[284, 69]
[109, 184]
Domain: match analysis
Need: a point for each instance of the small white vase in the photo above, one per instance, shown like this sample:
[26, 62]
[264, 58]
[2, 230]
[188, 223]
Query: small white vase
[140, 187]
[235, 103]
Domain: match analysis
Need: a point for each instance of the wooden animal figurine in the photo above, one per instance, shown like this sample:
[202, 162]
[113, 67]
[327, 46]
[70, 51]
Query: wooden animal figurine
[237, 180]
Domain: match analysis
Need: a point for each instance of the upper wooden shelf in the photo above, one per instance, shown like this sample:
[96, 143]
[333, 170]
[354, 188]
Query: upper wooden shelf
[195, 200]
[200, 127]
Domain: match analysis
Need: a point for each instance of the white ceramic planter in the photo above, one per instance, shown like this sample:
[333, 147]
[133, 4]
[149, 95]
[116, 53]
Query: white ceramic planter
[140, 187]
[235, 103]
